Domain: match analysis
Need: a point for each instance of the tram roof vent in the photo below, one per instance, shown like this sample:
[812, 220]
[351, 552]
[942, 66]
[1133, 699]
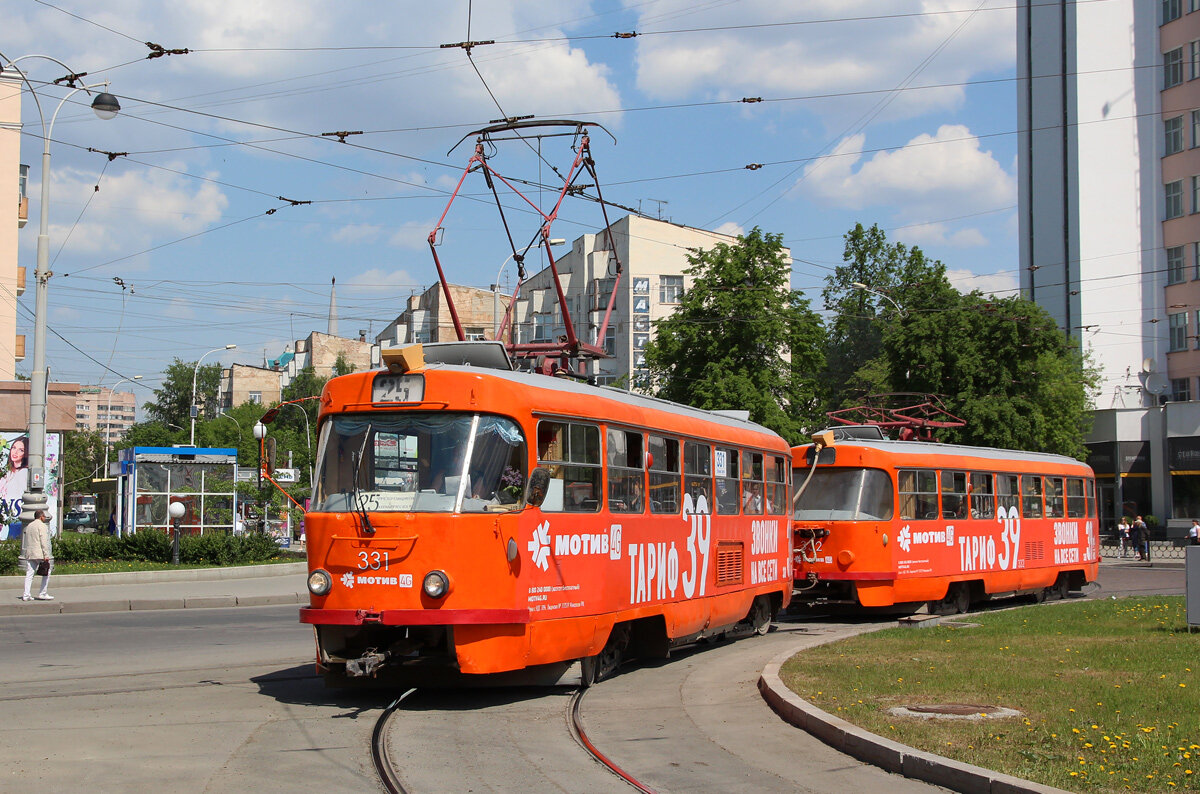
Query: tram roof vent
[489, 355]
[734, 414]
[860, 432]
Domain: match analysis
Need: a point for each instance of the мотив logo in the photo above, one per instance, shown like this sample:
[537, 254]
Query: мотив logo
[904, 538]
[348, 580]
[539, 546]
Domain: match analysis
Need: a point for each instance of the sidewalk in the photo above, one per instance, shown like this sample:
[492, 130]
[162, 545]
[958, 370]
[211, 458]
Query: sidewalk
[201, 588]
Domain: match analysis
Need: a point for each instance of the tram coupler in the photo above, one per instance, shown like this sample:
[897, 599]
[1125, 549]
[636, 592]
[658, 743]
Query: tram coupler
[366, 665]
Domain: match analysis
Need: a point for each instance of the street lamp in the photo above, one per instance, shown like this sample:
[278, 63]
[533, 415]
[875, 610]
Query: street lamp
[108, 416]
[496, 288]
[885, 296]
[195, 374]
[236, 422]
[176, 511]
[307, 438]
[106, 107]
[260, 433]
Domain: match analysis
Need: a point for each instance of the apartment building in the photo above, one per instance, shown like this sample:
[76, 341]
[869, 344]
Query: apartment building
[100, 408]
[13, 178]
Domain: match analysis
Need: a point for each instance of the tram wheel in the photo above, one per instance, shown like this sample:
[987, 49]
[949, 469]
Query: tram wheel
[1062, 588]
[760, 616]
[606, 663]
[961, 598]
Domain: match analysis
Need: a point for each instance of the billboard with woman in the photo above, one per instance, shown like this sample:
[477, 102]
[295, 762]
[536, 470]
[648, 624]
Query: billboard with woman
[14, 480]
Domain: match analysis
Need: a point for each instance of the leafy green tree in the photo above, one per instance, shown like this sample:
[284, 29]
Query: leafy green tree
[877, 283]
[152, 434]
[82, 459]
[742, 338]
[1000, 364]
[173, 400]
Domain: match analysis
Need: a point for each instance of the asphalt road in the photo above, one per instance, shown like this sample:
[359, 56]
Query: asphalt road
[212, 700]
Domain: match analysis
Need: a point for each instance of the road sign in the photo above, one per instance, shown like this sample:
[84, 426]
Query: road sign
[287, 475]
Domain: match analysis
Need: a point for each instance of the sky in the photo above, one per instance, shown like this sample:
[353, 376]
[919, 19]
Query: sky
[230, 207]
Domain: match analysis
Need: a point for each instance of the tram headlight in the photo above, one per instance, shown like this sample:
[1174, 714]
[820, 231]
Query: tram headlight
[320, 582]
[436, 584]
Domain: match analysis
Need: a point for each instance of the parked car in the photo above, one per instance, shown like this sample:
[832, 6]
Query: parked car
[79, 520]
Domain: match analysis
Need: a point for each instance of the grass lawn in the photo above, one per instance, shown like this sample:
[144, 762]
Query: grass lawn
[1108, 691]
[123, 566]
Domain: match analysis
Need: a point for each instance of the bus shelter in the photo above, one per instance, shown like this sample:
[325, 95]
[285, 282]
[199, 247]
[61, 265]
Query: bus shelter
[202, 479]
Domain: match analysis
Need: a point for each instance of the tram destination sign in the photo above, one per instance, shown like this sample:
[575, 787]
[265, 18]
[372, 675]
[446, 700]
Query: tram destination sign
[398, 389]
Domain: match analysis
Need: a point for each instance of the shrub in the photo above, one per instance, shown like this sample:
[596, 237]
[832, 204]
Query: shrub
[84, 548]
[256, 548]
[220, 548]
[10, 550]
[147, 545]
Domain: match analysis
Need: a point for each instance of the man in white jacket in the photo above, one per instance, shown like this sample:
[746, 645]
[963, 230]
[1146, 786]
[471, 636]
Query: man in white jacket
[35, 548]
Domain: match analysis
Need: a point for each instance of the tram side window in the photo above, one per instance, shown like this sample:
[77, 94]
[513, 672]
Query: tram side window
[626, 475]
[954, 494]
[1008, 493]
[726, 465]
[776, 485]
[697, 474]
[1076, 501]
[1031, 496]
[664, 475]
[1091, 499]
[1055, 507]
[983, 495]
[570, 452]
[752, 483]
[918, 494]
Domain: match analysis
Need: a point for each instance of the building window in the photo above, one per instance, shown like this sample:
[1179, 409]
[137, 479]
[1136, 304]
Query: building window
[1171, 10]
[1177, 325]
[542, 324]
[475, 334]
[1180, 391]
[610, 339]
[1175, 265]
[255, 398]
[1172, 67]
[1196, 336]
[1194, 59]
[1195, 194]
[670, 289]
[1174, 199]
[1173, 135]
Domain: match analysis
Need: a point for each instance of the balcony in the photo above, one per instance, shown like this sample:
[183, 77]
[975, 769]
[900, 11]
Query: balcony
[22, 212]
[19, 347]
[20, 280]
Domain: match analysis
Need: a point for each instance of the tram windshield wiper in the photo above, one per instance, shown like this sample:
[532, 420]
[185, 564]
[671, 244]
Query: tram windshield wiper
[358, 499]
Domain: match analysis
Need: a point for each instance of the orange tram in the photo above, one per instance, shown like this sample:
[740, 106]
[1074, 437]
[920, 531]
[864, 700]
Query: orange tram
[469, 519]
[906, 523]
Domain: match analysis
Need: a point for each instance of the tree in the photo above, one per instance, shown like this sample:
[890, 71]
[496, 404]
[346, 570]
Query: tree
[896, 279]
[82, 460]
[1001, 364]
[742, 338]
[173, 400]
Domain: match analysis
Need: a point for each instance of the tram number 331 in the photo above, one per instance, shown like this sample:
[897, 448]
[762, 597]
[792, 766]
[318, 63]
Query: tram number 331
[372, 561]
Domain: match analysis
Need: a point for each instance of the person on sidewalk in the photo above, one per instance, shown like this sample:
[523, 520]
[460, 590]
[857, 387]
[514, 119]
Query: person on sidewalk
[1123, 537]
[1194, 533]
[37, 554]
[1141, 538]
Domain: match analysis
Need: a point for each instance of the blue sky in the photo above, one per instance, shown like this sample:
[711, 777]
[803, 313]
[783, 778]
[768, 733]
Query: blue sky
[896, 112]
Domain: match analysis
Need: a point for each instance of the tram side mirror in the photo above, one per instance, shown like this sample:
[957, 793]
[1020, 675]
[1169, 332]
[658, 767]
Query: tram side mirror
[539, 484]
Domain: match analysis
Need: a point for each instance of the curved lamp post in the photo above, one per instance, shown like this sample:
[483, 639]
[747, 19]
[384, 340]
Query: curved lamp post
[884, 295]
[307, 438]
[108, 415]
[195, 374]
[106, 107]
[260, 433]
[496, 289]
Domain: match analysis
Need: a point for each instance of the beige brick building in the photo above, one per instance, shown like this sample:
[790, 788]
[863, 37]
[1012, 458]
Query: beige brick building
[427, 318]
[242, 383]
[12, 184]
[60, 407]
[100, 408]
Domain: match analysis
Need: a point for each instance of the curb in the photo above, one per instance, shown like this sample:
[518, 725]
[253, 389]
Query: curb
[25, 609]
[884, 753]
[160, 577]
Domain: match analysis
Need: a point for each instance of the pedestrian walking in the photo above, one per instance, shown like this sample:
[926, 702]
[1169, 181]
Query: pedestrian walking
[1141, 538]
[1194, 533]
[1123, 536]
[37, 555]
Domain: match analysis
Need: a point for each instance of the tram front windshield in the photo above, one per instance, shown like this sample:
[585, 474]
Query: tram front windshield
[420, 462]
[844, 494]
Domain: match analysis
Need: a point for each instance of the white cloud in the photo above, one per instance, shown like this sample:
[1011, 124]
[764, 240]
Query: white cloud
[411, 234]
[1003, 284]
[376, 280]
[730, 228]
[932, 176]
[357, 233]
[940, 234]
[755, 50]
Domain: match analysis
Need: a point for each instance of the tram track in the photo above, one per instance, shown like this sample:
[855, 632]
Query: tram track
[392, 783]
